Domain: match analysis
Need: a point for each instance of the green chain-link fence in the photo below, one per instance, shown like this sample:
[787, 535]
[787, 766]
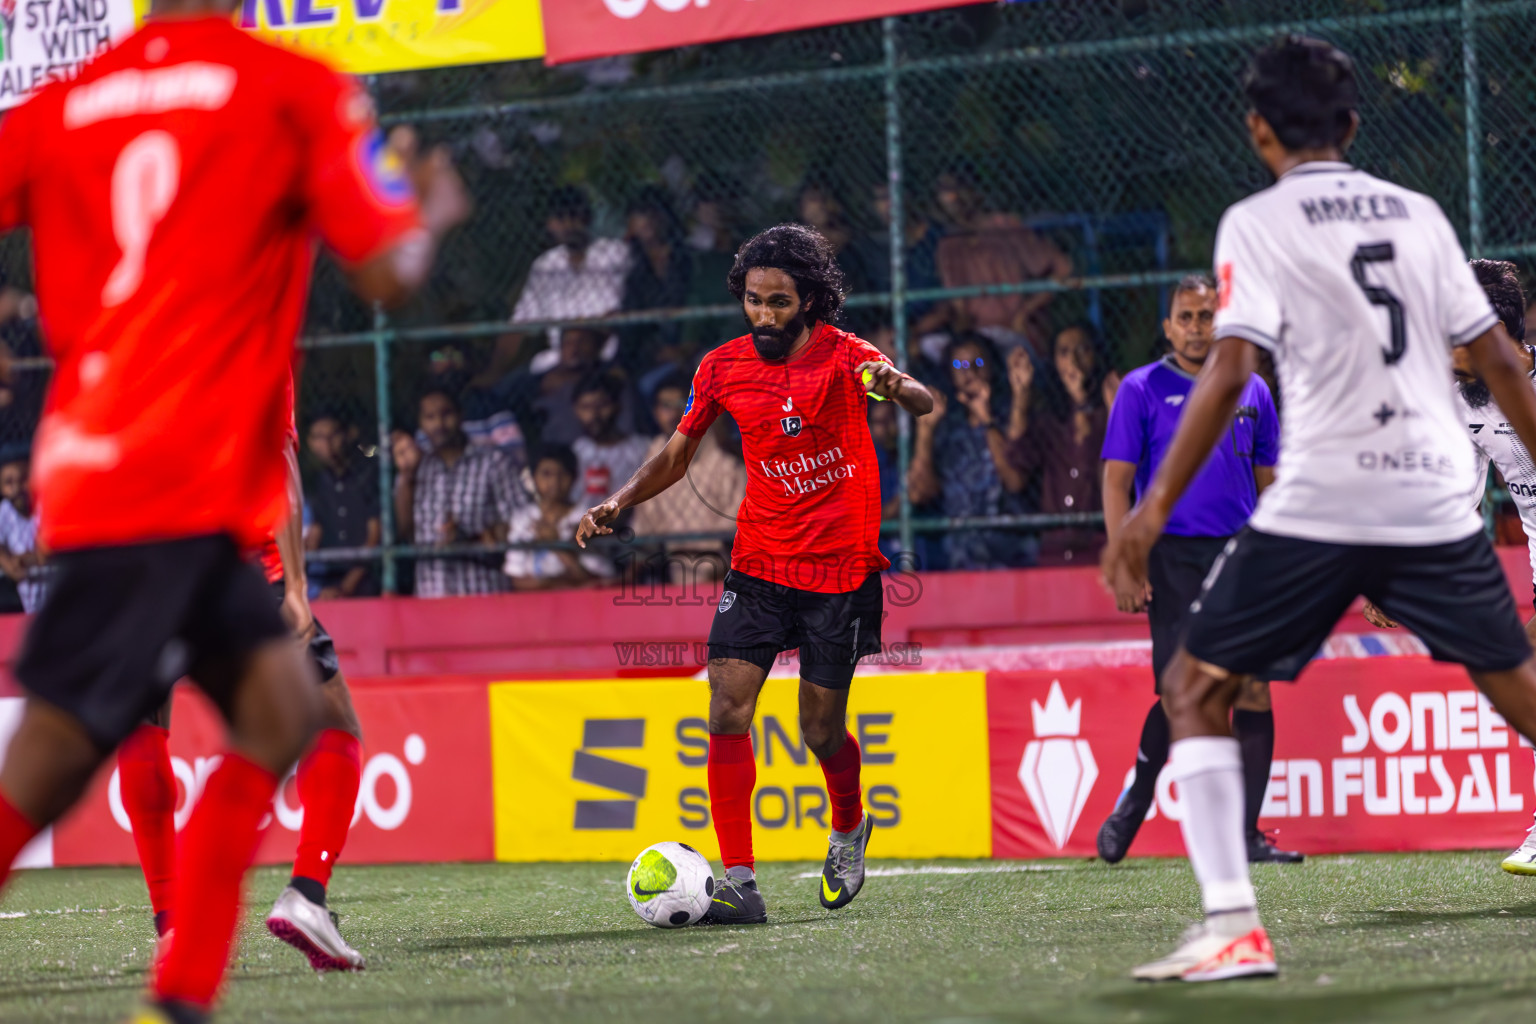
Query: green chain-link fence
[1081, 150]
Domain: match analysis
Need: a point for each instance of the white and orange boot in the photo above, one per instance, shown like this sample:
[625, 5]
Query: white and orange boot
[1228, 946]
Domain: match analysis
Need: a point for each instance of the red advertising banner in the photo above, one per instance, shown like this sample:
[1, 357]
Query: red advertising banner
[425, 795]
[1371, 754]
[582, 29]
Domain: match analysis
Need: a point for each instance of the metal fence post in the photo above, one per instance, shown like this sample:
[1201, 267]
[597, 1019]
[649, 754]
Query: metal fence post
[1474, 127]
[908, 558]
[381, 344]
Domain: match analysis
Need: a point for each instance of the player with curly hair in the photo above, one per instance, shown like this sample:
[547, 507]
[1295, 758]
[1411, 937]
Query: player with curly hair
[805, 568]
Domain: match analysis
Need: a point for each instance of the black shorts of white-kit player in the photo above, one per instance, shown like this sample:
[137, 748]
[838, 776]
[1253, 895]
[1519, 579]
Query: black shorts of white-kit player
[756, 620]
[1271, 601]
[321, 648]
[1176, 568]
[122, 624]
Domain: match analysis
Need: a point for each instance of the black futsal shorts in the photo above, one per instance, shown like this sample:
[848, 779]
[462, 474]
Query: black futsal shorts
[122, 624]
[1176, 568]
[756, 620]
[1271, 601]
[322, 650]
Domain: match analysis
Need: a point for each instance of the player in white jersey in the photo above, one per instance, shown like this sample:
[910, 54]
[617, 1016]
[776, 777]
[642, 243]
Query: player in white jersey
[1359, 289]
[1493, 440]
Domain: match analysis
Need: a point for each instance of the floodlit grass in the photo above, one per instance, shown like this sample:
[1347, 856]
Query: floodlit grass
[1406, 938]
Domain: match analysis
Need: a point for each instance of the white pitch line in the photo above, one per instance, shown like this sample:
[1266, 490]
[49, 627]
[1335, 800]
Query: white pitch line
[939, 869]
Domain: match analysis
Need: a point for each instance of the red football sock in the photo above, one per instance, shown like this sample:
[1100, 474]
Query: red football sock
[217, 848]
[732, 776]
[842, 772]
[149, 796]
[16, 831]
[329, 777]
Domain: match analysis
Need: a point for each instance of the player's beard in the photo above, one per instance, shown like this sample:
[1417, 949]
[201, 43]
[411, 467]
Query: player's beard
[1474, 392]
[774, 343]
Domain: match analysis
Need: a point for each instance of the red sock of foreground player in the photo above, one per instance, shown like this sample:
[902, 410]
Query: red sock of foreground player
[842, 772]
[217, 848]
[149, 796]
[15, 832]
[732, 776]
[329, 777]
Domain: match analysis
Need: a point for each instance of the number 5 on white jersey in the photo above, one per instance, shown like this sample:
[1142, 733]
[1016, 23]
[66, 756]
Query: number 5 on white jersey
[144, 184]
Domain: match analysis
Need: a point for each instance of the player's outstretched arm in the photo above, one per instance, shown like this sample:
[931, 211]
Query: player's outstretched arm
[1493, 360]
[885, 381]
[290, 550]
[661, 471]
[1207, 412]
[394, 275]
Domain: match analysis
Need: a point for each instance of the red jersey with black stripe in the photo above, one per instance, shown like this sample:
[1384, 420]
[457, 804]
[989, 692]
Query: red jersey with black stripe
[811, 517]
[176, 190]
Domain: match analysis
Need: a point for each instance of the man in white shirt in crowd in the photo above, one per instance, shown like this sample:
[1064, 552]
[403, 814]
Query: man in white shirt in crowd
[606, 455]
[580, 277]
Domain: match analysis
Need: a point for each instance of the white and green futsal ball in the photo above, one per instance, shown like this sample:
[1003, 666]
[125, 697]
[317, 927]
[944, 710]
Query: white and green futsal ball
[670, 885]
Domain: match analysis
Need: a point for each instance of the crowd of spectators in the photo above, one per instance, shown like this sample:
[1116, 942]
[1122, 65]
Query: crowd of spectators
[510, 443]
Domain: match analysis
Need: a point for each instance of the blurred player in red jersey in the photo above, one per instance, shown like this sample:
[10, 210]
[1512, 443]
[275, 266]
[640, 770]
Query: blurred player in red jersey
[329, 775]
[175, 191]
[805, 568]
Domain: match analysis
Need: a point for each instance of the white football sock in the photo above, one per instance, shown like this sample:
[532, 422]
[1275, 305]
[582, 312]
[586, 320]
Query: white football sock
[1209, 771]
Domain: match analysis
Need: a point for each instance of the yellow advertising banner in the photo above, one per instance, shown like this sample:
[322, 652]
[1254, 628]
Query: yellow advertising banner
[367, 37]
[597, 771]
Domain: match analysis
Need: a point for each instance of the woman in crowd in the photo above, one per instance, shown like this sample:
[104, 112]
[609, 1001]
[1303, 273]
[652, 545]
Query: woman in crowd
[962, 457]
[1058, 432]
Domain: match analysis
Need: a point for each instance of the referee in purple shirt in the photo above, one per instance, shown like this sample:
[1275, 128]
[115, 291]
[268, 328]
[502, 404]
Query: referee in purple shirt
[1218, 503]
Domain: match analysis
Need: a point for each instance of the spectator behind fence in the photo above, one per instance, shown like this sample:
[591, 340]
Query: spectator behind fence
[456, 494]
[546, 402]
[983, 247]
[488, 416]
[713, 236]
[660, 274]
[920, 248]
[343, 506]
[606, 454]
[716, 485]
[1057, 451]
[818, 207]
[551, 517]
[928, 547]
[961, 457]
[20, 559]
[579, 277]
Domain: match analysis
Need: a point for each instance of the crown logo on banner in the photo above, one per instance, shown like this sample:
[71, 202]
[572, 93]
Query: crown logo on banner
[1058, 770]
[1057, 718]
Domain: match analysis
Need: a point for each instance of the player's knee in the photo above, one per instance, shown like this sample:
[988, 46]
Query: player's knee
[336, 710]
[730, 714]
[823, 734]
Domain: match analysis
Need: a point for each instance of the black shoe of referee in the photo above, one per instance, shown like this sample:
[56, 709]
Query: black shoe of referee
[1120, 828]
[1262, 851]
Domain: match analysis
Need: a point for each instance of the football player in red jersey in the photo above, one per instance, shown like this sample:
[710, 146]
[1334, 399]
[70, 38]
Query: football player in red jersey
[329, 774]
[805, 567]
[175, 191]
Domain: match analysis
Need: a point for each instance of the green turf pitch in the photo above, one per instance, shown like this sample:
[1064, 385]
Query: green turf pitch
[1445, 937]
